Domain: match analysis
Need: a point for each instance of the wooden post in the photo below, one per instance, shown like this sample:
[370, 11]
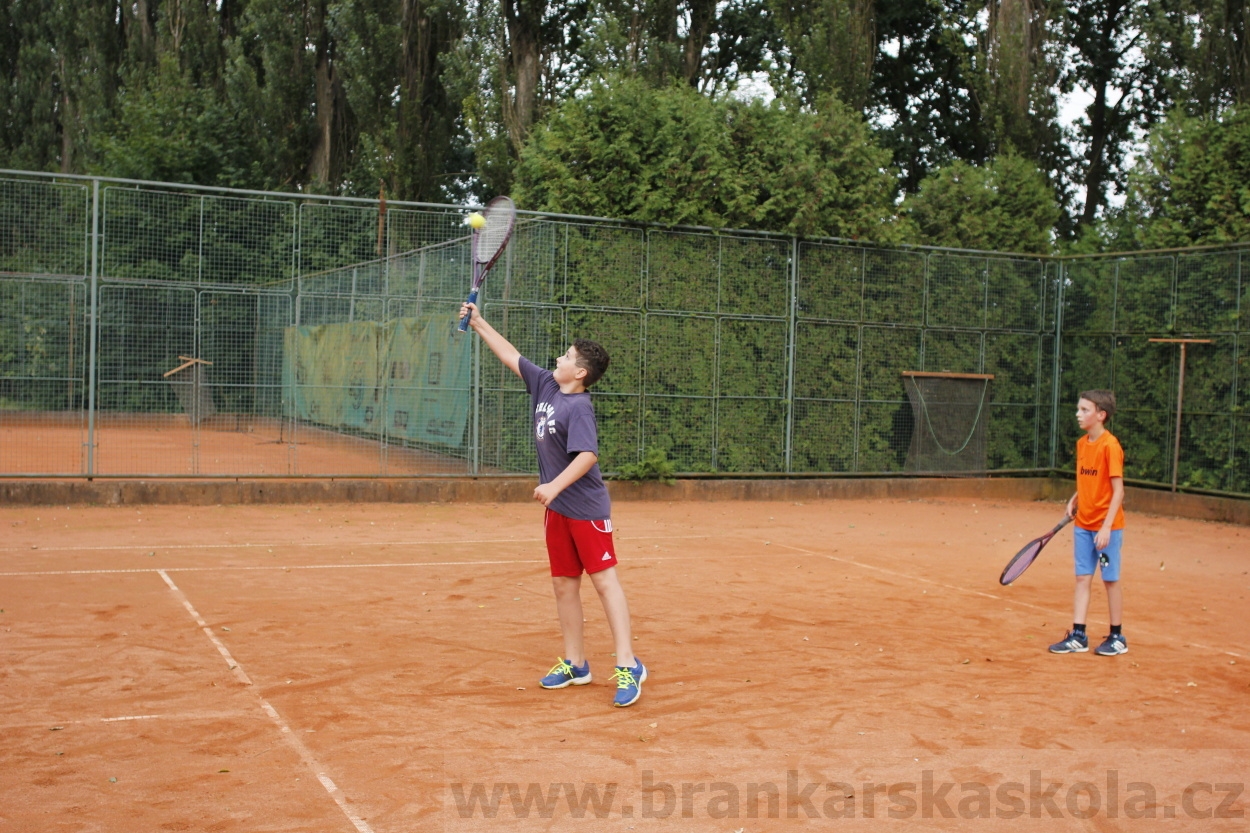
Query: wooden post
[1180, 396]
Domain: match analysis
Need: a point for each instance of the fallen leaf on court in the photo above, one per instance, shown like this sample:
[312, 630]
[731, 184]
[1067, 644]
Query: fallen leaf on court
[481, 605]
[1195, 685]
[223, 770]
[520, 688]
[1160, 565]
[112, 780]
[516, 598]
[56, 728]
[151, 554]
[967, 661]
[224, 628]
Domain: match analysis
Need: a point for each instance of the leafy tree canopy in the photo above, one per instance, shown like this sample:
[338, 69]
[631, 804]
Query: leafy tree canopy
[1193, 184]
[1004, 206]
[671, 155]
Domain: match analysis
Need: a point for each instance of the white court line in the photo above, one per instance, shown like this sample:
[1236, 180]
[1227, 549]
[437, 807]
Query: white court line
[358, 544]
[199, 620]
[1048, 610]
[272, 567]
[227, 568]
[305, 755]
[182, 716]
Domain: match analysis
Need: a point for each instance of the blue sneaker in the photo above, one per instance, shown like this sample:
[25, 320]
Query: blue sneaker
[629, 684]
[1076, 642]
[566, 674]
[1115, 643]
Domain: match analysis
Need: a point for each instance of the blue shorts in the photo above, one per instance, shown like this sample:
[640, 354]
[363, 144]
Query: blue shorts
[1086, 557]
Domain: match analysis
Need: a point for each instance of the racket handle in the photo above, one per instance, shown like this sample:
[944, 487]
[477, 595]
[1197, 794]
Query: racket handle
[464, 322]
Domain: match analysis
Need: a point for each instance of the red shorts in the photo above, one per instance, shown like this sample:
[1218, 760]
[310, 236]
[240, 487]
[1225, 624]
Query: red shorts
[574, 546]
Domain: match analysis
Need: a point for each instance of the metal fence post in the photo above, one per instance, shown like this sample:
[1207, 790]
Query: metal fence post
[793, 315]
[1057, 364]
[93, 306]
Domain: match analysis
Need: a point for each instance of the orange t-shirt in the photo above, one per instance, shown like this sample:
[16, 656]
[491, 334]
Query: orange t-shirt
[1096, 463]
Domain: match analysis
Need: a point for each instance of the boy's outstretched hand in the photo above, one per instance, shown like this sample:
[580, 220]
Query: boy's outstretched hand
[466, 309]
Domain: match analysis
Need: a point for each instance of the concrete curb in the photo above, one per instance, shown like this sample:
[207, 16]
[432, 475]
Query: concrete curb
[50, 492]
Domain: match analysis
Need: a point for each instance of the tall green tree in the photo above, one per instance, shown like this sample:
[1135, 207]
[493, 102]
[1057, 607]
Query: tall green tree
[922, 87]
[1110, 60]
[1005, 206]
[830, 48]
[670, 155]
[1192, 186]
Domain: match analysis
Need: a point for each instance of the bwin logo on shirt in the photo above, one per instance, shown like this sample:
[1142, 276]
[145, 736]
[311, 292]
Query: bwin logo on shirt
[1090, 472]
[544, 423]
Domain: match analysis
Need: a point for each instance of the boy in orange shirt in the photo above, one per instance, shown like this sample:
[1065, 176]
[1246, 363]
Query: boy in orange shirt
[1098, 532]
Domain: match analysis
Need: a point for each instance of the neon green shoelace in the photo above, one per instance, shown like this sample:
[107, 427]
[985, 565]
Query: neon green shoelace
[562, 667]
[624, 678]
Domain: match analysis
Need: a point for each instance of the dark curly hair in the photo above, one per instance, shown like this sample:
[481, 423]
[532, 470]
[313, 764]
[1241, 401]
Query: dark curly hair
[592, 358]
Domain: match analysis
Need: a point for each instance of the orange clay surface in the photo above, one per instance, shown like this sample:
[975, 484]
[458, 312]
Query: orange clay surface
[375, 668]
[143, 445]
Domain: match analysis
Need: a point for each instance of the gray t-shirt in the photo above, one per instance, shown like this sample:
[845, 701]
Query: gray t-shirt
[564, 426]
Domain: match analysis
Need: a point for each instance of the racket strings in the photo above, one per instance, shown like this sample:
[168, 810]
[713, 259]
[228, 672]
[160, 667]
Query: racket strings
[1021, 563]
[492, 237]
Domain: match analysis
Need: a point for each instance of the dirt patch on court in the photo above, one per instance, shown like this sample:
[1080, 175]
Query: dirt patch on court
[374, 667]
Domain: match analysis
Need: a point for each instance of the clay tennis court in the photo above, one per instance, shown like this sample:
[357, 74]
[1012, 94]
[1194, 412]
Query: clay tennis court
[374, 668]
[222, 445]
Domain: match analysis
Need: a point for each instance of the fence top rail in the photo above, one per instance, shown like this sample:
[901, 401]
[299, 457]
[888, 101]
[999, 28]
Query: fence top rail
[839, 241]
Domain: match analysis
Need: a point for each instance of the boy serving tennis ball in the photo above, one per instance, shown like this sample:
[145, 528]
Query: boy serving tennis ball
[578, 519]
[1099, 522]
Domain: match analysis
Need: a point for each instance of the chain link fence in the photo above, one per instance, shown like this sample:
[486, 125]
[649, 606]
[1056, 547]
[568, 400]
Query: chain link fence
[150, 330]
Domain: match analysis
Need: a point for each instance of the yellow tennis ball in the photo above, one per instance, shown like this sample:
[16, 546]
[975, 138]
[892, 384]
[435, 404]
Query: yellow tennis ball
[476, 220]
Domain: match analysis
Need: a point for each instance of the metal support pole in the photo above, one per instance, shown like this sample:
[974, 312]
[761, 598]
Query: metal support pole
[93, 306]
[792, 314]
[1180, 397]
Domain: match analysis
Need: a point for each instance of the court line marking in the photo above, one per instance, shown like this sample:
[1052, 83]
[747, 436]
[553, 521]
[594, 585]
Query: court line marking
[1047, 610]
[191, 716]
[226, 568]
[300, 748]
[361, 544]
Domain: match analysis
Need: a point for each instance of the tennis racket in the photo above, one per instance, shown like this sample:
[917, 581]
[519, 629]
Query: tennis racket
[487, 244]
[1021, 561]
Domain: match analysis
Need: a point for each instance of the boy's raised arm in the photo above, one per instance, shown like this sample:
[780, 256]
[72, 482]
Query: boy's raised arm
[500, 346]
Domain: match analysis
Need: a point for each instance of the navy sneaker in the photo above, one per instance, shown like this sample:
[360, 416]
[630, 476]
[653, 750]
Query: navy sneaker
[1115, 643]
[629, 684]
[1076, 642]
[566, 674]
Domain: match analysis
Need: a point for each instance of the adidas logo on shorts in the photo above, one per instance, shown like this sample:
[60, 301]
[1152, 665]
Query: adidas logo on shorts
[607, 556]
